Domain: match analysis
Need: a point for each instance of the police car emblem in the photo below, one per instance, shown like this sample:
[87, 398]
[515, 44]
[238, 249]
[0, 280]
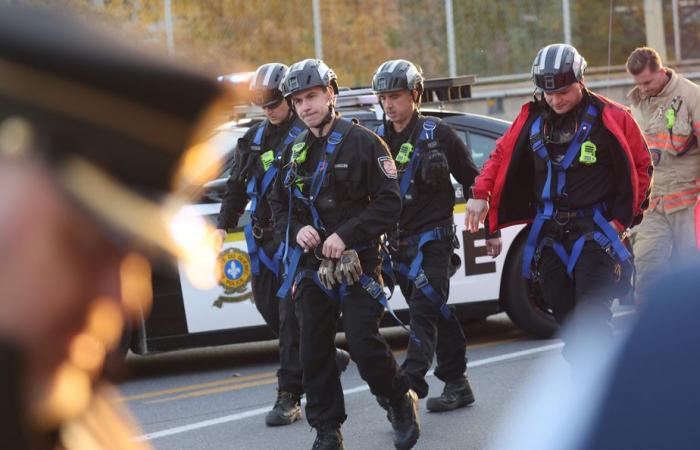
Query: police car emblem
[234, 275]
[387, 165]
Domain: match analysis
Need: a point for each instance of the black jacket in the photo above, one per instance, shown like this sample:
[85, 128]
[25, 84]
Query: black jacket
[359, 199]
[432, 206]
[247, 164]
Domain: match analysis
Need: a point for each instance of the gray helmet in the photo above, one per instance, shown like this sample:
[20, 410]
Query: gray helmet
[307, 74]
[397, 75]
[557, 66]
[265, 84]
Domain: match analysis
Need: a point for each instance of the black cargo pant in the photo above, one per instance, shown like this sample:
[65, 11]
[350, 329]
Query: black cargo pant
[583, 301]
[318, 315]
[280, 317]
[438, 335]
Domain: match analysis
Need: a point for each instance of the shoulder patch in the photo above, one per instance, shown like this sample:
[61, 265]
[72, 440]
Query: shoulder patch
[386, 164]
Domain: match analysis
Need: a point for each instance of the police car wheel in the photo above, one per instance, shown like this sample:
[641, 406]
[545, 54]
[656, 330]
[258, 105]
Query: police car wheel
[522, 299]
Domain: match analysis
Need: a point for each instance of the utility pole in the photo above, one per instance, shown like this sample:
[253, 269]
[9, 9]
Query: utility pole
[566, 16]
[677, 32]
[654, 22]
[169, 28]
[318, 39]
[451, 52]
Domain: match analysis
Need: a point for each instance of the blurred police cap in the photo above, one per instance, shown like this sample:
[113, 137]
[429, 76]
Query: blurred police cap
[120, 127]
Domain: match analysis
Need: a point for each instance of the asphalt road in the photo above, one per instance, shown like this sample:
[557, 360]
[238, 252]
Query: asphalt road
[217, 398]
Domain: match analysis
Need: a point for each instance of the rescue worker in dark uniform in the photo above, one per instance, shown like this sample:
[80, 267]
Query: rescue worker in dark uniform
[253, 172]
[336, 196]
[575, 164]
[426, 151]
[86, 174]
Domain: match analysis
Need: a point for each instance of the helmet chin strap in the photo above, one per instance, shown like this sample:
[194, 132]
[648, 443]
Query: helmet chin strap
[416, 100]
[326, 120]
[561, 128]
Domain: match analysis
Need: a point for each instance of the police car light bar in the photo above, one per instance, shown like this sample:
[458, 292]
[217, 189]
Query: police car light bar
[448, 89]
[435, 90]
[240, 77]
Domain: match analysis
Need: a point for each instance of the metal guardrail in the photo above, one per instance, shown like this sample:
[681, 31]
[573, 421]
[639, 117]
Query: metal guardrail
[593, 84]
[510, 78]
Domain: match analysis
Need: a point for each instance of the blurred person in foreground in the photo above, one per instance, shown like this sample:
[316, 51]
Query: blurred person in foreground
[638, 394]
[97, 150]
[576, 166]
[667, 107]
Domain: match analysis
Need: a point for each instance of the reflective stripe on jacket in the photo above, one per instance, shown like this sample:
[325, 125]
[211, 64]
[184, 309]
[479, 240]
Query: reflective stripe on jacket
[675, 151]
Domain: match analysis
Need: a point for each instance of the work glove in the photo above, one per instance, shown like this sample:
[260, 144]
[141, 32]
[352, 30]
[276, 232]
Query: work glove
[435, 168]
[326, 273]
[348, 268]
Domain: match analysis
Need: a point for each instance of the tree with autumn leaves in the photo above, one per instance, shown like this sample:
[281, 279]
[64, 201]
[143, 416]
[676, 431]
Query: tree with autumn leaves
[492, 38]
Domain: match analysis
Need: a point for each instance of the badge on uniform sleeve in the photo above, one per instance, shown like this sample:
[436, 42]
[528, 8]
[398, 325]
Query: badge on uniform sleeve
[387, 165]
[588, 150]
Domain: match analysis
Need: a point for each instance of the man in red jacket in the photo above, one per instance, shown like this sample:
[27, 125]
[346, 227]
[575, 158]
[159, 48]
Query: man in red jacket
[576, 166]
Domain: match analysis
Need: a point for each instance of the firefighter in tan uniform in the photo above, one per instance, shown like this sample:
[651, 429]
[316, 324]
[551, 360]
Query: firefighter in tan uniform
[667, 108]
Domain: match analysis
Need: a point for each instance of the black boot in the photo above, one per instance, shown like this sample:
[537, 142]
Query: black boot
[457, 394]
[328, 437]
[342, 359]
[287, 410]
[403, 414]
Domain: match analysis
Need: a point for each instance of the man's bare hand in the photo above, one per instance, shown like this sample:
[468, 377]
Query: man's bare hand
[494, 247]
[476, 214]
[308, 238]
[333, 246]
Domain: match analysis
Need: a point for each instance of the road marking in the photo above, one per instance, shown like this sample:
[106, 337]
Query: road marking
[362, 388]
[192, 387]
[235, 387]
[242, 381]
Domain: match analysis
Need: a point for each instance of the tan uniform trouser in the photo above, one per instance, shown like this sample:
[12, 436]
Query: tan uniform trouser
[662, 241]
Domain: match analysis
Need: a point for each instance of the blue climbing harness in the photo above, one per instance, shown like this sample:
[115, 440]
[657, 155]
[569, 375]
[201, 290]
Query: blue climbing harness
[291, 261]
[257, 189]
[607, 237]
[415, 272]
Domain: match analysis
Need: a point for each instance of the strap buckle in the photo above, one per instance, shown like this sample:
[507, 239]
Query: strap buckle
[421, 280]
[374, 289]
[429, 125]
[334, 138]
[562, 218]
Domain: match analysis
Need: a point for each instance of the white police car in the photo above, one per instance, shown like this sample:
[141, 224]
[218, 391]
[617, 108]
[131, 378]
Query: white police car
[184, 316]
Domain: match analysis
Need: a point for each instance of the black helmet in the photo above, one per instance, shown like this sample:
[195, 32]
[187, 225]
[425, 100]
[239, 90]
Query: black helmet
[397, 75]
[265, 84]
[307, 74]
[556, 66]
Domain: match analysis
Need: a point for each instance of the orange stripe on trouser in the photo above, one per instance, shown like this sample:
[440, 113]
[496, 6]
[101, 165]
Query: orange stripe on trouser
[678, 199]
